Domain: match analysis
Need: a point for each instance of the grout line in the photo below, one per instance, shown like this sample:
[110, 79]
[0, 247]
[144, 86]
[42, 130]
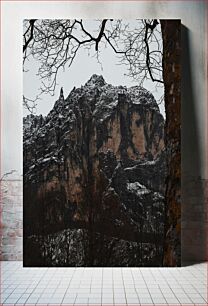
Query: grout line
[146, 285]
[169, 287]
[69, 285]
[123, 284]
[102, 287]
[135, 286]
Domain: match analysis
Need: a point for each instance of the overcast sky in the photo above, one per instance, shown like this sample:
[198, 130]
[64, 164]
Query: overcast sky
[79, 73]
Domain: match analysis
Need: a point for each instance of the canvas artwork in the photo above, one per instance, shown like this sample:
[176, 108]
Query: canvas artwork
[101, 143]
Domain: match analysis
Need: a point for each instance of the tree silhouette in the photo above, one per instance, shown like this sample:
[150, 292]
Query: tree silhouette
[56, 43]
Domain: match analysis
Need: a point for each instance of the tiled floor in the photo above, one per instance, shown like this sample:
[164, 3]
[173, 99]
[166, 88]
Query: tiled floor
[103, 286]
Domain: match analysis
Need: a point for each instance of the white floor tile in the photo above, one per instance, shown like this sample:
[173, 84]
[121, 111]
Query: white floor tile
[119, 296]
[133, 296]
[95, 295]
[195, 298]
[32, 300]
[184, 300]
[173, 300]
[70, 300]
[134, 286]
[81, 301]
[144, 296]
[119, 301]
[94, 301]
[132, 301]
[10, 301]
[159, 302]
[107, 298]
[146, 301]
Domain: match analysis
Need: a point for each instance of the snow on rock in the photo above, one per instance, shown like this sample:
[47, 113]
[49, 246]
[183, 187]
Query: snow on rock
[101, 151]
[137, 188]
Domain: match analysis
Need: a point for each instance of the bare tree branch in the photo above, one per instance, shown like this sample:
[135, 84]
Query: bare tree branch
[56, 43]
[30, 104]
[100, 34]
[151, 27]
[27, 39]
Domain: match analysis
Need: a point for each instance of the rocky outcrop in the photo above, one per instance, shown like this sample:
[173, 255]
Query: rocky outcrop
[94, 173]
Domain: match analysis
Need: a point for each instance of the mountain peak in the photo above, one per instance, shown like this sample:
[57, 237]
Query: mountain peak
[96, 80]
[61, 96]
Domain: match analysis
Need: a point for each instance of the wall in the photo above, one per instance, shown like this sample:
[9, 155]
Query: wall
[194, 108]
[11, 220]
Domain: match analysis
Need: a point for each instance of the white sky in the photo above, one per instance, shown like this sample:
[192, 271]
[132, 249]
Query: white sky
[79, 73]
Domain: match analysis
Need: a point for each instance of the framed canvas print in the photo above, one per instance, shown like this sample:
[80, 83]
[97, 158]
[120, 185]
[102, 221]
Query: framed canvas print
[101, 142]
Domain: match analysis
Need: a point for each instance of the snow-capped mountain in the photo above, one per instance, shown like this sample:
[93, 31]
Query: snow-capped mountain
[94, 178]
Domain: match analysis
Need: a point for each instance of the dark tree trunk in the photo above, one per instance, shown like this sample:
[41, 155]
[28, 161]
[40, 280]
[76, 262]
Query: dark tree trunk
[171, 30]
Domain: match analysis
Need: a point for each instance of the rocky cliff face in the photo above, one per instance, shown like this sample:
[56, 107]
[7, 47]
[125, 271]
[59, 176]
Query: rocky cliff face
[94, 179]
